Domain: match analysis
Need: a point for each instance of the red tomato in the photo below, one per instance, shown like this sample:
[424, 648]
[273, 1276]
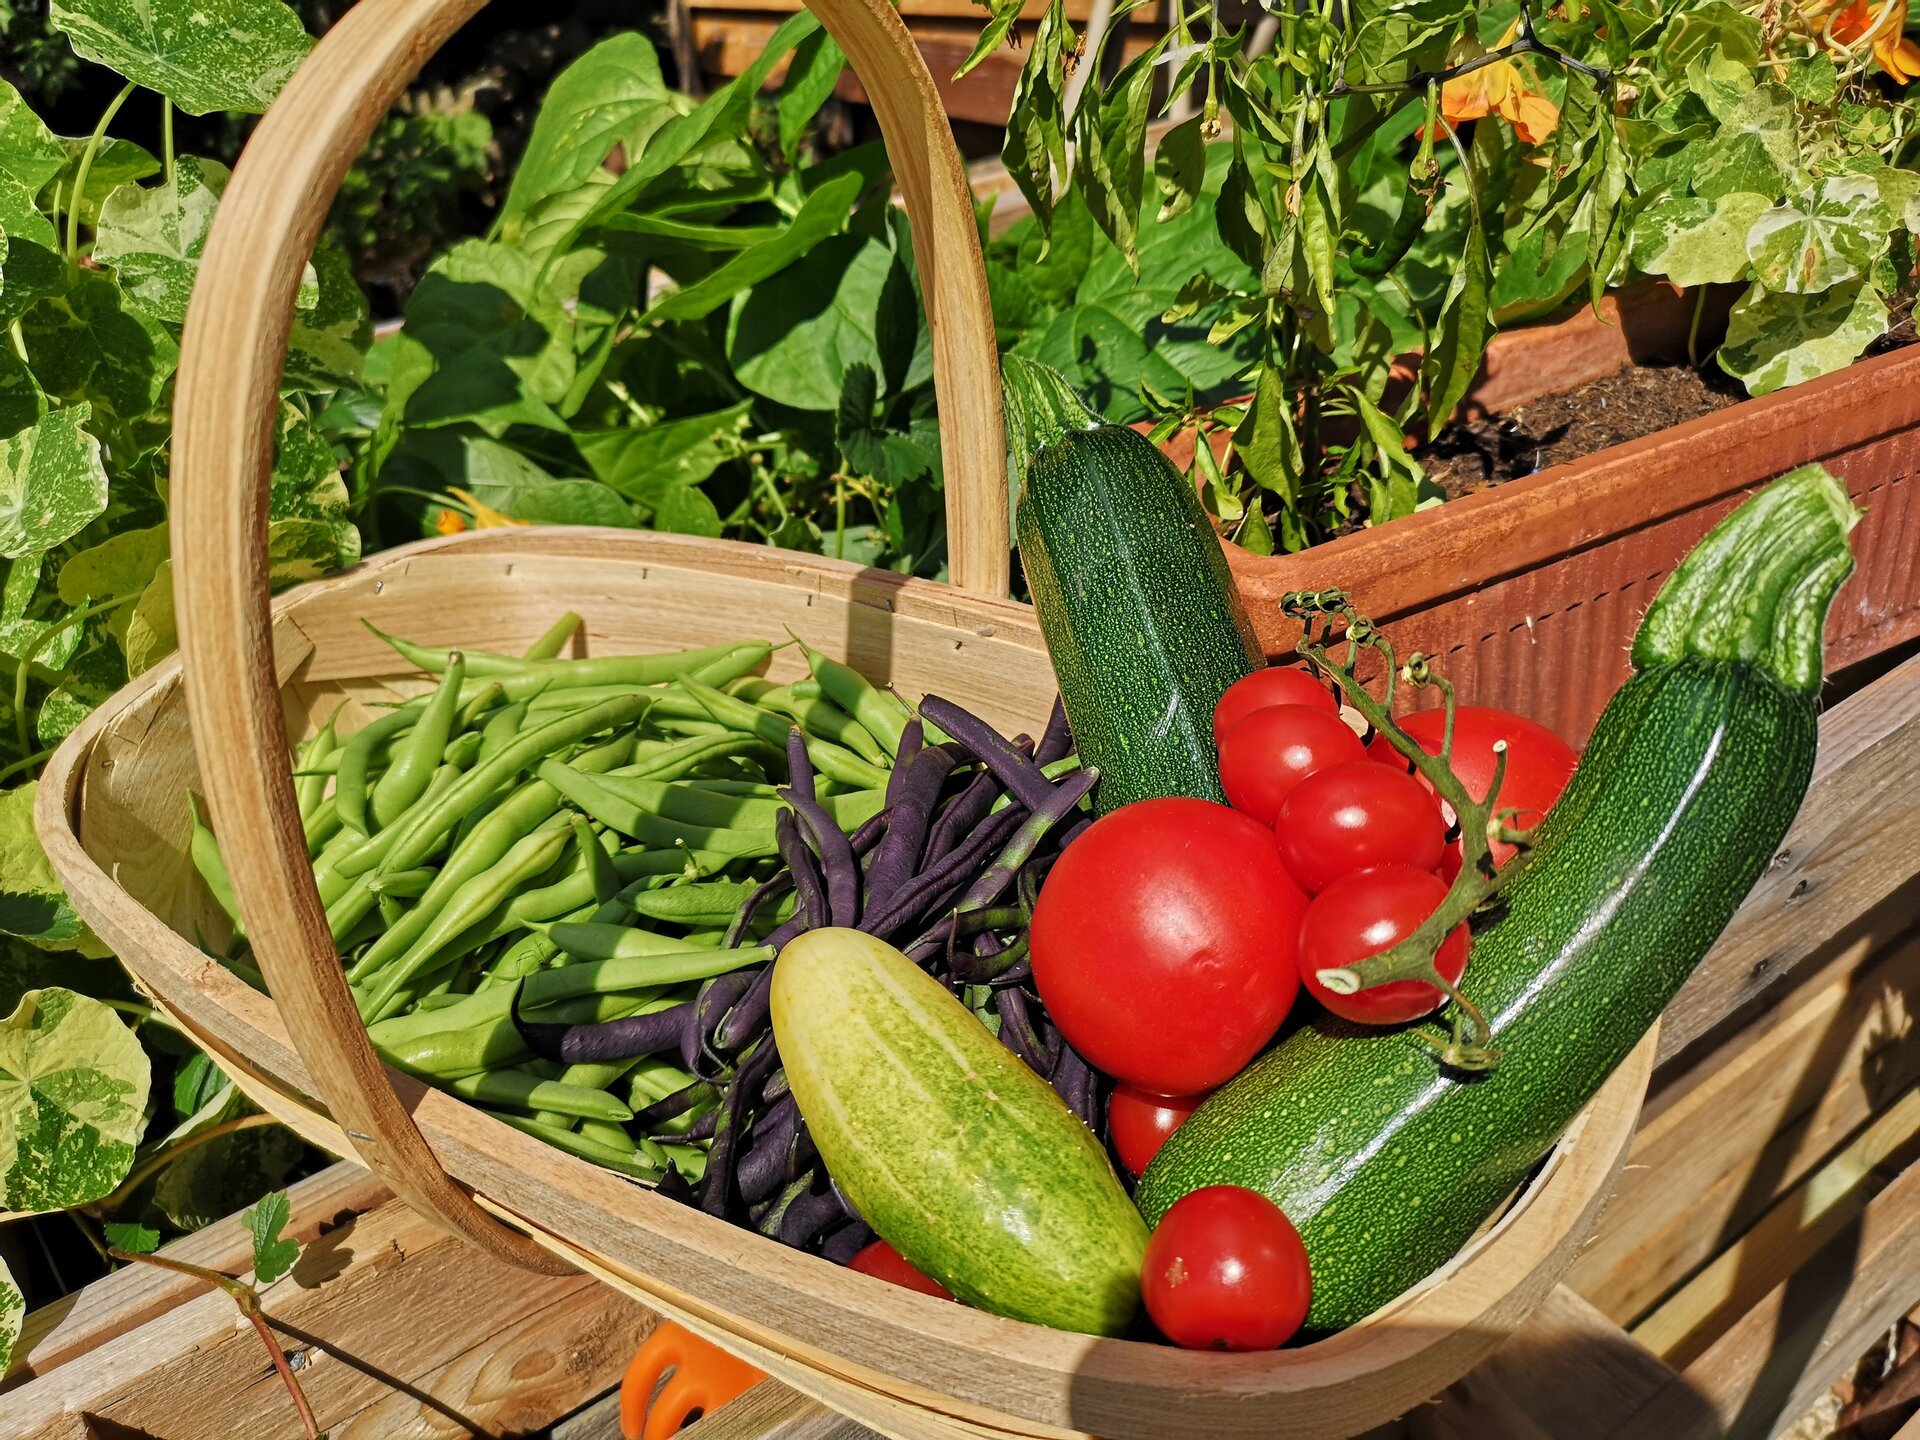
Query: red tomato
[1353, 816]
[1363, 914]
[1140, 1122]
[1539, 762]
[883, 1262]
[1274, 749]
[1276, 685]
[1163, 943]
[1225, 1270]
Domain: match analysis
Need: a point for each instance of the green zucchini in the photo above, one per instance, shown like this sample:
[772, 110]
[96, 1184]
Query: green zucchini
[1387, 1163]
[963, 1159]
[1140, 614]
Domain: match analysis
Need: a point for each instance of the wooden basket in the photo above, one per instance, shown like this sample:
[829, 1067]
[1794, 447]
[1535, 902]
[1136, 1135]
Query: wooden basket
[113, 816]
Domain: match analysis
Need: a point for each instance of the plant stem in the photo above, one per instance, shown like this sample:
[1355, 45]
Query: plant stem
[166, 136]
[94, 143]
[1524, 45]
[19, 342]
[30, 763]
[1693, 329]
[165, 1157]
[248, 1299]
[25, 669]
[130, 1007]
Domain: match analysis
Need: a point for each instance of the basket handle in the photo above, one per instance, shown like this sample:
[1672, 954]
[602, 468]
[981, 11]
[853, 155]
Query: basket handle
[228, 393]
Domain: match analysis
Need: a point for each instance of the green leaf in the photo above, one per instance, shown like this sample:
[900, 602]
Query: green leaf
[1756, 149]
[1109, 159]
[150, 635]
[29, 158]
[122, 564]
[1692, 30]
[1180, 167]
[89, 680]
[1775, 340]
[32, 904]
[824, 213]
[133, 1239]
[793, 340]
[1830, 234]
[993, 35]
[611, 96]
[115, 163]
[273, 1254]
[89, 347]
[52, 483]
[1462, 334]
[1035, 150]
[28, 272]
[154, 238]
[643, 464]
[573, 502]
[307, 485]
[811, 76]
[73, 1097]
[13, 1309]
[203, 55]
[329, 341]
[1696, 242]
[687, 511]
[21, 402]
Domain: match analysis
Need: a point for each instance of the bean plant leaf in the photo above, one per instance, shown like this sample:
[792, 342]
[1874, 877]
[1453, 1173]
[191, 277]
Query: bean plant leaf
[1693, 241]
[154, 238]
[1832, 233]
[13, 1309]
[792, 339]
[1775, 340]
[132, 1238]
[203, 55]
[273, 1253]
[52, 483]
[30, 156]
[73, 1097]
[611, 96]
[824, 213]
[812, 75]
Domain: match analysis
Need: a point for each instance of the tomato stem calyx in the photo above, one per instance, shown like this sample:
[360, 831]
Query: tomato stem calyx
[1482, 822]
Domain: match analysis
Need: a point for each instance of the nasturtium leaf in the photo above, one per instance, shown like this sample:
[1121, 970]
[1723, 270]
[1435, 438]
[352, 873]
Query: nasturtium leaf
[273, 1253]
[1899, 189]
[115, 163]
[32, 904]
[52, 483]
[133, 1239]
[1831, 233]
[306, 484]
[217, 1177]
[300, 550]
[1719, 81]
[1716, 22]
[28, 272]
[122, 564]
[203, 55]
[89, 346]
[150, 635]
[330, 338]
[1775, 340]
[1757, 148]
[1692, 241]
[13, 1309]
[73, 1097]
[612, 95]
[153, 238]
[30, 156]
[29, 627]
[1814, 79]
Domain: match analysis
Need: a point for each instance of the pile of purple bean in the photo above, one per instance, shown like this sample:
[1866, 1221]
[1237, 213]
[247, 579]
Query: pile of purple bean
[939, 873]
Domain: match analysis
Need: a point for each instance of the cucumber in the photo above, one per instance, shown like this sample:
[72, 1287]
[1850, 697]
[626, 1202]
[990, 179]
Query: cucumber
[1140, 614]
[963, 1159]
[1386, 1162]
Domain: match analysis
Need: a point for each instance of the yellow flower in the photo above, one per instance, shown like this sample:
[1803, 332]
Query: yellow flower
[449, 522]
[1880, 21]
[1500, 88]
[485, 517]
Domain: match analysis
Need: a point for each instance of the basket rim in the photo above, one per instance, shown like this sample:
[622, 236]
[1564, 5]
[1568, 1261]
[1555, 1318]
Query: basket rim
[1501, 1273]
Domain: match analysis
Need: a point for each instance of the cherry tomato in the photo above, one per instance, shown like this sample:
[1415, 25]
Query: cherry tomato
[1139, 1123]
[1353, 816]
[1225, 1270]
[1163, 943]
[1539, 763]
[1274, 749]
[1363, 914]
[1276, 685]
[883, 1262]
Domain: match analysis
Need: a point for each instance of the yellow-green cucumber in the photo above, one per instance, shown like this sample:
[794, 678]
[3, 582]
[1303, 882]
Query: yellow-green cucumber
[1385, 1162]
[1141, 617]
[957, 1154]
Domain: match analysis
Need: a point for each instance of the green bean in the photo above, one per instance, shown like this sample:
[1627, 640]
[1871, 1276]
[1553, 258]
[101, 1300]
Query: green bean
[463, 750]
[689, 1160]
[599, 865]
[576, 890]
[430, 1003]
[808, 689]
[555, 639]
[465, 1039]
[830, 759]
[817, 717]
[654, 831]
[501, 727]
[392, 912]
[531, 677]
[528, 1092]
[413, 764]
[606, 943]
[702, 802]
[405, 884]
[356, 899]
[596, 1074]
[881, 712]
[435, 661]
[350, 783]
[604, 1132]
[631, 1160]
[471, 712]
[311, 786]
[322, 825]
[655, 1078]
[430, 822]
[205, 852]
[708, 902]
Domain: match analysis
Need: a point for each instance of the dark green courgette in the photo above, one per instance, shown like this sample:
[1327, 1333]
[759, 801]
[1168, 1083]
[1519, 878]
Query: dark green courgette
[1386, 1162]
[1140, 614]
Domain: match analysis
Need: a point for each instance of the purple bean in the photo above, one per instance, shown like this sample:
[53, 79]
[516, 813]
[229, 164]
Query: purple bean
[595, 1043]
[763, 1167]
[803, 1154]
[913, 735]
[1056, 741]
[837, 863]
[1055, 1043]
[674, 1105]
[1072, 1079]
[808, 885]
[932, 891]
[807, 1216]
[1074, 831]
[717, 998]
[962, 815]
[776, 1086]
[909, 816]
[779, 884]
[748, 1017]
[798, 765]
[716, 1187]
[702, 1128]
[847, 1241]
[869, 834]
[1016, 1029]
[1004, 758]
[795, 927]
[767, 1216]
[1060, 802]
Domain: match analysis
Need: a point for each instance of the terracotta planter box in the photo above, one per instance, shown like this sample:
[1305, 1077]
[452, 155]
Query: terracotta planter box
[1531, 591]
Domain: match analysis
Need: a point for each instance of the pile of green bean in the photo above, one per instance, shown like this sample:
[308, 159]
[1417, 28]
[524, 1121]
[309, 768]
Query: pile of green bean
[548, 841]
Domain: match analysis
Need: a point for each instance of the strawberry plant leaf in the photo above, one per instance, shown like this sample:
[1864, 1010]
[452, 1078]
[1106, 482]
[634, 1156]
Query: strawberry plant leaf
[203, 55]
[52, 483]
[273, 1254]
[73, 1095]
[134, 1239]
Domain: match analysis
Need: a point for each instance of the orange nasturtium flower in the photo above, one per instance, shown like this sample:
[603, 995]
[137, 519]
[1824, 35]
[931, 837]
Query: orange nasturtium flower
[1880, 21]
[1503, 89]
[485, 517]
